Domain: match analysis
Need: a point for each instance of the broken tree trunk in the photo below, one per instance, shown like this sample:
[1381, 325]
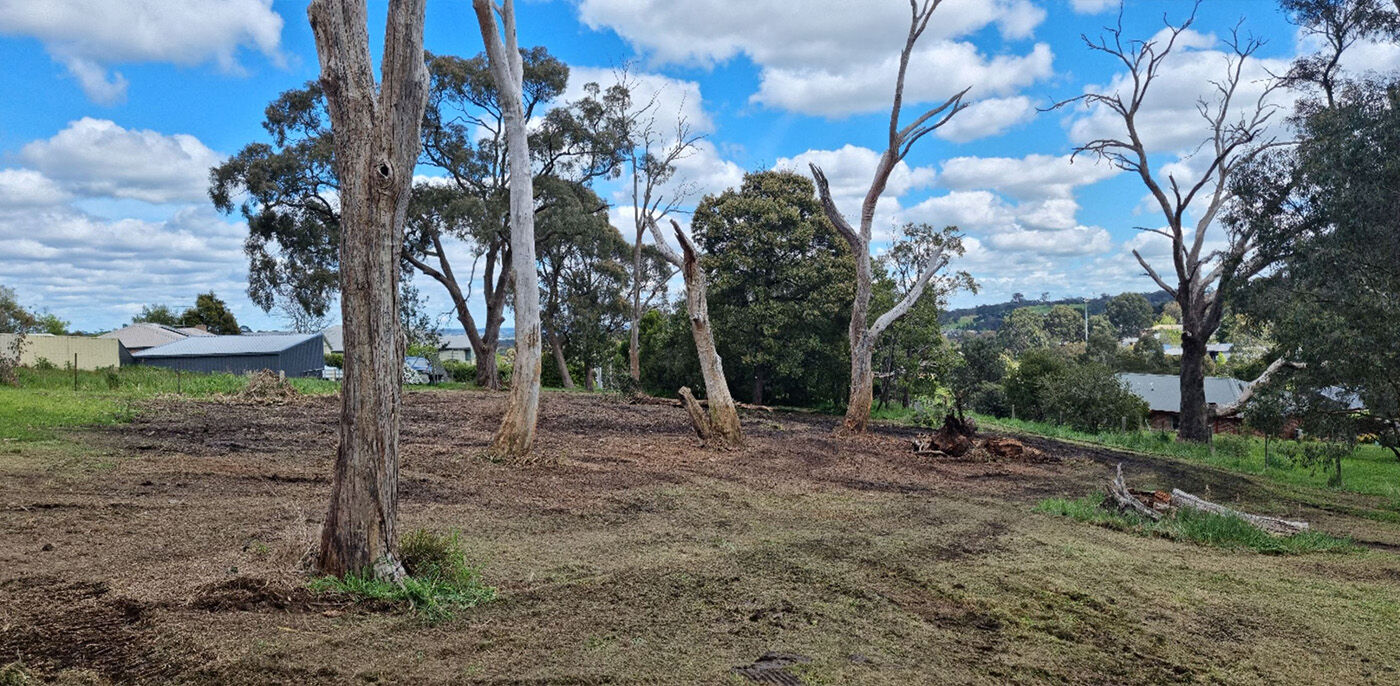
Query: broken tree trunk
[1271, 525]
[698, 417]
[1122, 500]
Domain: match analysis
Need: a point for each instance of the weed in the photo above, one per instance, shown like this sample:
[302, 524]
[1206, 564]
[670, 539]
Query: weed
[439, 580]
[1198, 527]
[16, 674]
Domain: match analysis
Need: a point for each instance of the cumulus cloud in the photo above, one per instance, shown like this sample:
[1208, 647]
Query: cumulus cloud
[28, 188]
[1033, 177]
[832, 57]
[990, 117]
[98, 158]
[89, 36]
[1093, 6]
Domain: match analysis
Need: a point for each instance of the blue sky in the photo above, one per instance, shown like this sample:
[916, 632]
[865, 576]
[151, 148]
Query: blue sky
[117, 109]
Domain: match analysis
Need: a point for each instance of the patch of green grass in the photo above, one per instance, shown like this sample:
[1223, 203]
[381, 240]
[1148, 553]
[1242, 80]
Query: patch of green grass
[1370, 470]
[1205, 528]
[27, 415]
[440, 581]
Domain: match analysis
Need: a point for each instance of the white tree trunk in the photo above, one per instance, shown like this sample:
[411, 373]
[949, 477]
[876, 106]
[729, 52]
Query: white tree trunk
[517, 432]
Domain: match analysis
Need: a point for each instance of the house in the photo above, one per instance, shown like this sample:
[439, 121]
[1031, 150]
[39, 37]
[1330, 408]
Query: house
[457, 347]
[144, 335]
[334, 340]
[89, 352]
[291, 354]
[1163, 395]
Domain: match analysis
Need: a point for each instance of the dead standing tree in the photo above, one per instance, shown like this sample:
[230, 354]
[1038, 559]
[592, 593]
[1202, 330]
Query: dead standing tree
[1203, 279]
[720, 426]
[864, 336]
[653, 163]
[376, 143]
[517, 432]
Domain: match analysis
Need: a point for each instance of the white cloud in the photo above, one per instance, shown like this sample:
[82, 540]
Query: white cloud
[990, 117]
[28, 188]
[98, 158]
[1080, 240]
[850, 169]
[832, 57]
[1093, 6]
[88, 36]
[671, 100]
[1033, 177]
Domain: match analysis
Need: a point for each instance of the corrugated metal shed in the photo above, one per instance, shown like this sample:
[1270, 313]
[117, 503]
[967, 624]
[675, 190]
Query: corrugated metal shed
[292, 354]
[456, 347]
[1163, 391]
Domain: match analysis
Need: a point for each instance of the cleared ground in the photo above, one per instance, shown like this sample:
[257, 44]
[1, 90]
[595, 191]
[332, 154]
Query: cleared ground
[167, 549]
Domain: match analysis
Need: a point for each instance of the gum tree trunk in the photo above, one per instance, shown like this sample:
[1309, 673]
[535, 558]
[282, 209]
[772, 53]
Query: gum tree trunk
[517, 432]
[376, 144]
[1194, 418]
[723, 415]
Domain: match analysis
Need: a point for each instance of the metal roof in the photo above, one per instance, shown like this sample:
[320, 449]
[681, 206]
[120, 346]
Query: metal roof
[1163, 391]
[456, 341]
[213, 346]
[335, 338]
[147, 335]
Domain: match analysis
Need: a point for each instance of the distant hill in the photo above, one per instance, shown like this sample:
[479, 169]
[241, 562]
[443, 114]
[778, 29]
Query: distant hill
[988, 317]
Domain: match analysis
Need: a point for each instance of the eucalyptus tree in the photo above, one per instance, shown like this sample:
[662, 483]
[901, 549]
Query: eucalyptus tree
[1233, 132]
[287, 188]
[377, 128]
[864, 334]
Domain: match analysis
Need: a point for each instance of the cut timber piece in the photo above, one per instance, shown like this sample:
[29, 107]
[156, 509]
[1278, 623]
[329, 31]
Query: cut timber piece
[1272, 525]
[1123, 500]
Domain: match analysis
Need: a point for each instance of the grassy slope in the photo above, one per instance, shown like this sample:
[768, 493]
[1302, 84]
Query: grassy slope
[45, 400]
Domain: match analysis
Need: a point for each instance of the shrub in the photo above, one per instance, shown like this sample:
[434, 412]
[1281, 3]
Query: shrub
[336, 360]
[44, 365]
[1233, 445]
[114, 380]
[462, 372]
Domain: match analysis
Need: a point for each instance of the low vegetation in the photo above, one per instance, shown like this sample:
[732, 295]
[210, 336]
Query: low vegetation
[439, 582]
[1198, 527]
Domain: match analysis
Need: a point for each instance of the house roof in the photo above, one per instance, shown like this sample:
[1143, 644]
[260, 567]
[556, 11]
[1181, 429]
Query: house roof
[335, 338]
[456, 341]
[218, 346]
[147, 335]
[1163, 391]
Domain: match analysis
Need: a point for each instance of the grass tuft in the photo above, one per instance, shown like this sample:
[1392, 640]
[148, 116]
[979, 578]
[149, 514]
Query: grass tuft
[1205, 528]
[440, 581]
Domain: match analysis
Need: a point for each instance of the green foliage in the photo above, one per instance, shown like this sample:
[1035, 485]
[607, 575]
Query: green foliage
[51, 324]
[1147, 356]
[1022, 330]
[1205, 528]
[440, 581]
[336, 360]
[1129, 313]
[13, 317]
[1049, 386]
[211, 312]
[781, 282]
[157, 314]
[459, 371]
[1065, 324]
[667, 348]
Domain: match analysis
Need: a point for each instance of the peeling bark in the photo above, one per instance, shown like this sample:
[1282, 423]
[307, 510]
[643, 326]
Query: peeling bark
[517, 432]
[376, 144]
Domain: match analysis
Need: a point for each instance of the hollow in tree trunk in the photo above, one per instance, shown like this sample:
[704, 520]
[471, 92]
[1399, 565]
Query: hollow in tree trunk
[376, 144]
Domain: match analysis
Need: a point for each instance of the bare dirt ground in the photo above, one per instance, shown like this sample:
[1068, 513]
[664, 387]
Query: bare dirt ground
[168, 550]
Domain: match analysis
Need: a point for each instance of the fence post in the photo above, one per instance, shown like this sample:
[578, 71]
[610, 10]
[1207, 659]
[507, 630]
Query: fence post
[179, 387]
[75, 371]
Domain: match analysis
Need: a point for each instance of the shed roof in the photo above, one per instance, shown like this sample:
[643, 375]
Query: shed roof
[335, 338]
[148, 335]
[1163, 391]
[215, 346]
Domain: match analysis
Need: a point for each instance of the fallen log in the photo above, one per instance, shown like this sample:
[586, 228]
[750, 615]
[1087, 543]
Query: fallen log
[1121, 499]
[698, 417]
[1271, 525]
